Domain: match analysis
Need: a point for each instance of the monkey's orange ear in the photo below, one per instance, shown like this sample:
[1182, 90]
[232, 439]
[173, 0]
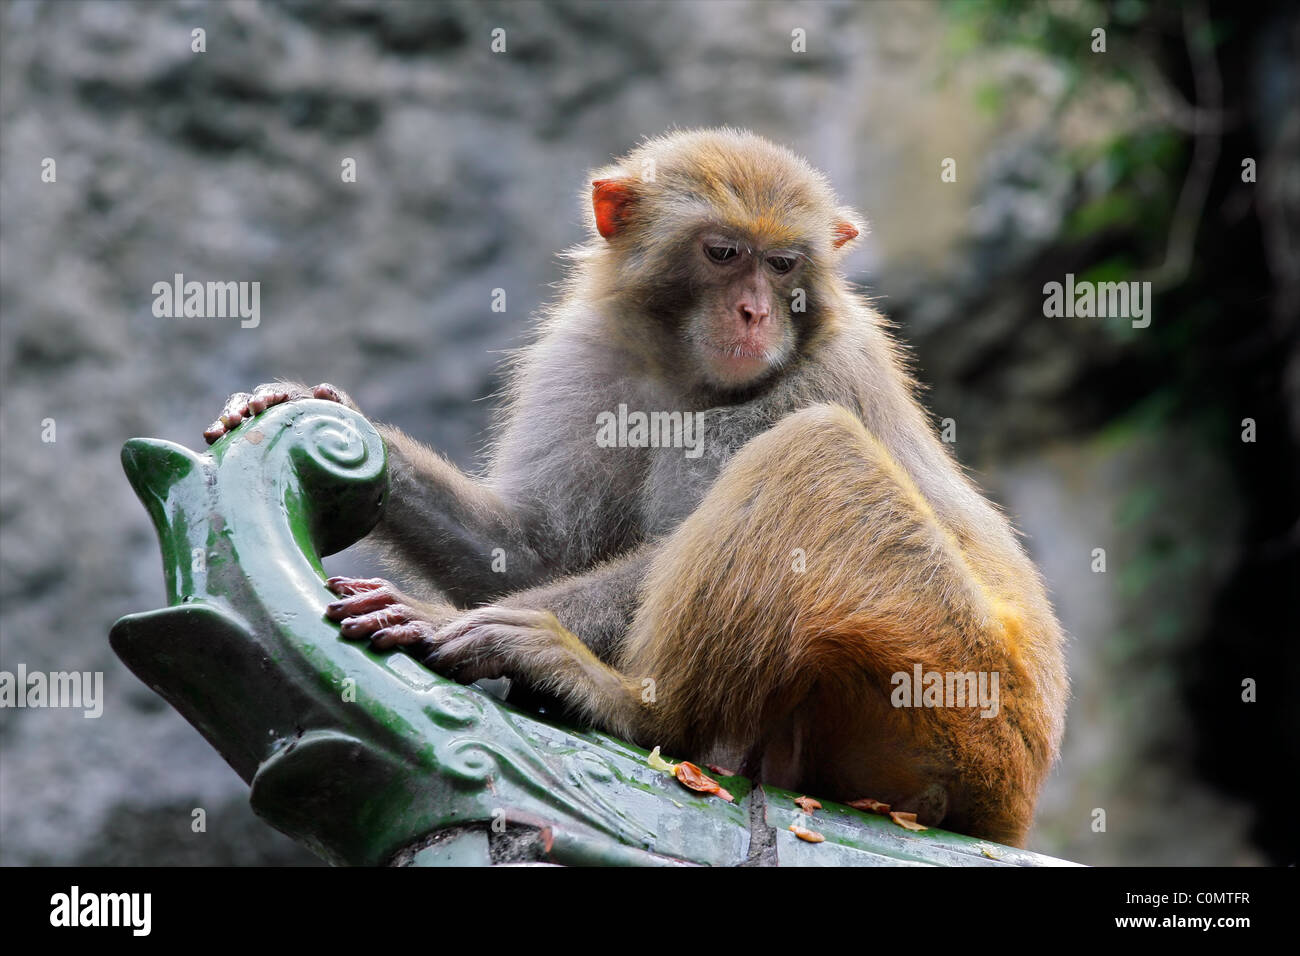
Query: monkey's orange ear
[845, 231]
[611, 199]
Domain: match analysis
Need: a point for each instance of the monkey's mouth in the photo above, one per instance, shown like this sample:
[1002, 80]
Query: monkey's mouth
[741, 352]
[739, 363]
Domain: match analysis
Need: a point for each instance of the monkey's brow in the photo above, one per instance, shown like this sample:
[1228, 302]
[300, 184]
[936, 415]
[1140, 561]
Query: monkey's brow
[794, 251]
[723, 235]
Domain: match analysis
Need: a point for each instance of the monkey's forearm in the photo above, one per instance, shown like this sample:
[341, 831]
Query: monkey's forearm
[597, 606]
[443, 524]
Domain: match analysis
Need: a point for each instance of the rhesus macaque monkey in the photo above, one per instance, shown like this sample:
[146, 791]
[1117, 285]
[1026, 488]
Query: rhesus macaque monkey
[754, 598]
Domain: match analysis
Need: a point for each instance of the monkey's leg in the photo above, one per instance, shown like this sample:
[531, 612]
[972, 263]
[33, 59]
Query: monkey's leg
[780, 612]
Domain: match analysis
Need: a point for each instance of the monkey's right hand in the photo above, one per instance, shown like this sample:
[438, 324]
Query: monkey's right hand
[242, 405]
[374, 609]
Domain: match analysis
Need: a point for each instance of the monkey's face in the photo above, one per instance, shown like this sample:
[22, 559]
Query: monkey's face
[740, 328]
[725, 243]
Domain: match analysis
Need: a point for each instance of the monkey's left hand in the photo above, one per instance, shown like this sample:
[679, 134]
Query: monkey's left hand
[242, 406]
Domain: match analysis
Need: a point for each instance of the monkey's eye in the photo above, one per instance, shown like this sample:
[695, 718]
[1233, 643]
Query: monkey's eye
[721, 253]
[781, 264]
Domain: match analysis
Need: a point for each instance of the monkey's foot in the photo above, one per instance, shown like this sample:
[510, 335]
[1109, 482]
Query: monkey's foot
[373, 608]
[242, 405]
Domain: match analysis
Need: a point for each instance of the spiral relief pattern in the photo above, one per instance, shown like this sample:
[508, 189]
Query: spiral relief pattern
[338, 444]
[453, 708]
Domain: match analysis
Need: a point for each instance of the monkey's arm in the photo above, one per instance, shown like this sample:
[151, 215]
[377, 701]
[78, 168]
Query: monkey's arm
[438, 523]
[562, 639]
[597, 606]
[447, 527]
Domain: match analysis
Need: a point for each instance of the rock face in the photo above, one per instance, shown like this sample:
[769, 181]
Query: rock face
[226, 165]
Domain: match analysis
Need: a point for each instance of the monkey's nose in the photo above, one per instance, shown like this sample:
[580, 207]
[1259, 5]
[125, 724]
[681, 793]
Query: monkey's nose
[751, 315]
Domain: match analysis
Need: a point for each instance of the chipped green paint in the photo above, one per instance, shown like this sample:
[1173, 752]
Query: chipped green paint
[362, 756]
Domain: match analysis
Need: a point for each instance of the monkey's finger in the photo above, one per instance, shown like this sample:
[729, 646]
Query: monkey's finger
[266, 396]
[330, 393]
[359, 604]
[236, 410]
[284, 391]
[399, 635]
[214, 431]
[341, 584]
[366, 625]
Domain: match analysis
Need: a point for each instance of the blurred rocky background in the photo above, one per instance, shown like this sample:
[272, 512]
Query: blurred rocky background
[225, 165]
